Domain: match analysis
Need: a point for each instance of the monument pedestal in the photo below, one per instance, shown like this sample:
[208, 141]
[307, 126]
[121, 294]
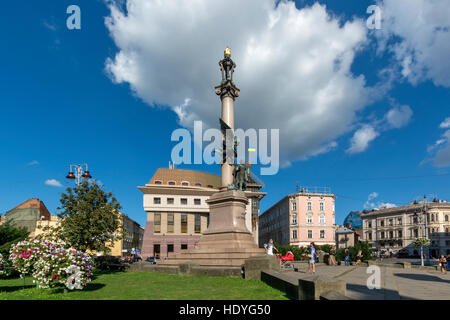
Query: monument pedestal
[227, 241]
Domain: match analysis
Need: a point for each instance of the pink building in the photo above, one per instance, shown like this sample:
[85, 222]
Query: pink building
[300, 218]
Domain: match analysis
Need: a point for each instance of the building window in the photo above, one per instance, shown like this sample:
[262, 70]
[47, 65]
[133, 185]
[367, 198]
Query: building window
[198, 185]
[432, 217]
[184, 246]
[400, 234]
[170, 201]
[321, 206]
[294, 234]
[446, 218]
[170, 222]
[310, 219]
[210, 186]
[171, 183]
[156, 200]
[322, 234]
[382, 235]
[158, 182]
[157, 223]
[185, 184]
[170, 248]
[294, 218]
[370, 235]
[416, 233]
[399, 221]
[309, 206]
[382, 223]
[391, 234]
[294, 206]
[391, 222]
[197, 202]
[183, 201]
[369, 224]
[310, 234]
[184, 223]
[322, 219]
[197, 224]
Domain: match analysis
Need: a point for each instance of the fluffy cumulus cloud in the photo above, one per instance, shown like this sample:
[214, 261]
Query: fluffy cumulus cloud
[293, 65]
[361, 139]
[440, 150]
[417, 32]
[371, 204]
[53, 183]
[397, 117]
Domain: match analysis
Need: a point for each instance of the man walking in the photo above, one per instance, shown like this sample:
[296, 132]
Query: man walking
[347, 257]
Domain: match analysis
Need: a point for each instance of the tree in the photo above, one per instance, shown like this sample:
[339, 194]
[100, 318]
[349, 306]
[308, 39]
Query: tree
[90, 219]
[420, 243]
[9, 235]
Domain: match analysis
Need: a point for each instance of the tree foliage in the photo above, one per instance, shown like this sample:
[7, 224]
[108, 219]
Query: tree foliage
[364, 246]
[421, 242]
[89, 220]
[9, 235]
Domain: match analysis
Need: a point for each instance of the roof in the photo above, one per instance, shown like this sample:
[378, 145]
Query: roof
[345, 230]
[413, 207]
[166, 175]
[32, 203]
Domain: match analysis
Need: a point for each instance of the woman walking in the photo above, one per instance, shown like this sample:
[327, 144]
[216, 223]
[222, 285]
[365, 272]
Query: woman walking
[347, 257]
[312, 259]
[358, 257]
[443, 264]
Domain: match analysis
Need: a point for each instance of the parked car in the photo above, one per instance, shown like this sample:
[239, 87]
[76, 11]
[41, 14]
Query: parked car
[152, 260]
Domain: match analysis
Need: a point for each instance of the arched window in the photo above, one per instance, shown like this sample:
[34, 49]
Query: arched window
[158, 182]
[432, 217]
[446, 218]
[171, 183]
[184, 183]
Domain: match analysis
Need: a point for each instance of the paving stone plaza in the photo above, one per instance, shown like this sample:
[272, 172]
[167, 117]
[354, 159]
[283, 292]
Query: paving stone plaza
[396, 284]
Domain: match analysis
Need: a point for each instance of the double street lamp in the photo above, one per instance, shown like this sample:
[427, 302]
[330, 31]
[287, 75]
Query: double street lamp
[77, 173]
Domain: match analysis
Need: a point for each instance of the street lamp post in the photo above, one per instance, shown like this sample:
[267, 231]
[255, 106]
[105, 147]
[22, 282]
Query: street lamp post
[77, 173]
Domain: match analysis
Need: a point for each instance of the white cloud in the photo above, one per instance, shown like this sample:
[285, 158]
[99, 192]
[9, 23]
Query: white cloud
[399, 117]
[361, 139]
[33, 163]
[53, 183]
[369, 204]
[417, 32]
[445, 124]
[293, 66]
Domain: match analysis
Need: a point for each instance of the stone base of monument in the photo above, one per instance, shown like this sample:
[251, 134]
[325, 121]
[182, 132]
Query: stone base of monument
[227, 241]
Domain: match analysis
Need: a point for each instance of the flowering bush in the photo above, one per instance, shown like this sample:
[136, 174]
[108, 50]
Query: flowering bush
[51, 264]
[3, 266]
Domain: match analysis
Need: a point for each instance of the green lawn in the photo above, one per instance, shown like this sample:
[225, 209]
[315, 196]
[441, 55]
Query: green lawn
[147, 286]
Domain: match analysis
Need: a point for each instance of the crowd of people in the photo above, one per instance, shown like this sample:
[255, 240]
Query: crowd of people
[444, 262]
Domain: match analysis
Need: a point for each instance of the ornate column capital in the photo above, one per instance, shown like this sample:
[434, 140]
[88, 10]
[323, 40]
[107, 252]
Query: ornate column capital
[227, 89]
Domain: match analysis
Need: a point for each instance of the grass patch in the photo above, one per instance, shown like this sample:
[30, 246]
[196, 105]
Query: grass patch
[146, 286]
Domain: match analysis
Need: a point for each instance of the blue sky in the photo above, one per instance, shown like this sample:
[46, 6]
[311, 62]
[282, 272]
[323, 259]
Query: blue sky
[61, 106]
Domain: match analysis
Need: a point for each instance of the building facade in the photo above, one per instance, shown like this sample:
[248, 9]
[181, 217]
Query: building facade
[346, 237]
[30, 215]
[396, 228]
[177, 212]
[300, 218]
[131, 237]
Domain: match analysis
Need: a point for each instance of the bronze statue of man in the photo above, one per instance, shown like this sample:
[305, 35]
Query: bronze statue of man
[227, 66]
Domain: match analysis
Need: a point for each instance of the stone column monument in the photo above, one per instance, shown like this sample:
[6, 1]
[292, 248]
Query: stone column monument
[227, 241]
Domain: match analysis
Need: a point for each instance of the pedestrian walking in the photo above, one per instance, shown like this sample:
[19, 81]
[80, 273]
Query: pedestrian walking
[358, 257]
[332, 260]
[347, 257]
[312, 258]
[270, 247]
[443, 264]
